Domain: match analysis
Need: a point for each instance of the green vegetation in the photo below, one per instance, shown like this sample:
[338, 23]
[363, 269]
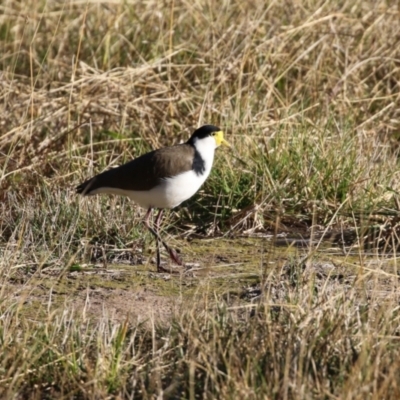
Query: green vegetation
[308, 93]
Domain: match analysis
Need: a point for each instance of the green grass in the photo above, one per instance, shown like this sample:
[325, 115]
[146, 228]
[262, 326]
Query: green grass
[308, 95]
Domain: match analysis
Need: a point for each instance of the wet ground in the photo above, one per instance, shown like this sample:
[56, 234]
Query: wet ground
[124, 285]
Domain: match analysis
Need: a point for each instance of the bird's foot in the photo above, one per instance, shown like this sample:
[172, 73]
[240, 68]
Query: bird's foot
[175, 257]
[168, 269]
[162, 269]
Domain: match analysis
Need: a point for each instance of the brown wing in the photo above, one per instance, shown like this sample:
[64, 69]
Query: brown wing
[144, 172]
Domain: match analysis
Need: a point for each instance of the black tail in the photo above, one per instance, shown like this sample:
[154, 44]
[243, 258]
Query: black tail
[105, 179]
[86, 187]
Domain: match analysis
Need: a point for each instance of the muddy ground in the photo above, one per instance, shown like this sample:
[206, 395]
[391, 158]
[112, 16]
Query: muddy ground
[124, 285]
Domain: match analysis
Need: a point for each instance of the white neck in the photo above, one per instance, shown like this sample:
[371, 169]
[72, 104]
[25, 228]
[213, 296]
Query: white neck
[206, 148]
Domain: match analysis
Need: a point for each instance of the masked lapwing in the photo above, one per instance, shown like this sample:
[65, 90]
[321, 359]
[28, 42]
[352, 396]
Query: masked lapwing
[162, 179]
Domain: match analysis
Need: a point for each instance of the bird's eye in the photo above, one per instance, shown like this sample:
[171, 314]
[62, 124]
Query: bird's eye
[213, 134]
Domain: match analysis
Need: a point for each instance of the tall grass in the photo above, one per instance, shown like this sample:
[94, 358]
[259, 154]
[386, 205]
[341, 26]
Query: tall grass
[309, 337]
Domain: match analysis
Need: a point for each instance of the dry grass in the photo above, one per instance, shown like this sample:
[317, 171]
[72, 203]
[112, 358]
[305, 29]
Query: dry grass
[309, 94]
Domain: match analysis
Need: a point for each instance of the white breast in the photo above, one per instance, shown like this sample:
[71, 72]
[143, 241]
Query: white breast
[171, 192]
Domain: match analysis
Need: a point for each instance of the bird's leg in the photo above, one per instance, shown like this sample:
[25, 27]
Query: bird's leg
[155, 234]
[157, 229]
[172, 253]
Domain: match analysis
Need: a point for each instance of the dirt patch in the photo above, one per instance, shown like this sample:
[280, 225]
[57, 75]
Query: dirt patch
[118, 292]
[135, 291]
[94, 303]
[119, 305]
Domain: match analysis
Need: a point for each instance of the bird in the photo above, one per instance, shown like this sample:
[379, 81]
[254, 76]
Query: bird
[161, 179]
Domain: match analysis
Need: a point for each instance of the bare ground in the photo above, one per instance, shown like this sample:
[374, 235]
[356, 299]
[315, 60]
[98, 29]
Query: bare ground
[236, 268]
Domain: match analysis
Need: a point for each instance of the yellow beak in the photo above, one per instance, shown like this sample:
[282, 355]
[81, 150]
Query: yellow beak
[219, 138]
